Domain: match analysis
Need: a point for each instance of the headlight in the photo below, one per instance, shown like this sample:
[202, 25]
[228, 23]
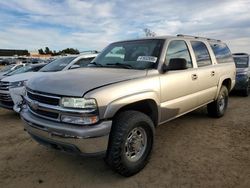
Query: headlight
[89, 106]
[81, 103]
[18, 84]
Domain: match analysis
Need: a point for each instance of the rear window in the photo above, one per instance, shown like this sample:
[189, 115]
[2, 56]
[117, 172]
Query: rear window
[241, 62]
[221, 52]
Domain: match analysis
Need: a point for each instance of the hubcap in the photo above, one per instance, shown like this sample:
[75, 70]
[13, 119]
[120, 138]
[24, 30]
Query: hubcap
[135, 144]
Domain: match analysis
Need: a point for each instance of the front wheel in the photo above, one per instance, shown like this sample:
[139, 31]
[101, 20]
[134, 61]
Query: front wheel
[130, 143]
[218, 107]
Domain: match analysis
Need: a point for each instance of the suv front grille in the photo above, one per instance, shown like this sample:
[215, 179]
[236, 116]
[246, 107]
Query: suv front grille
[43, 99]
[5, 97]
[47, 100]
[4, 86]
[44, 113]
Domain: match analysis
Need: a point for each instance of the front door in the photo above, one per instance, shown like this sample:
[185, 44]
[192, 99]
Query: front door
[178, 88]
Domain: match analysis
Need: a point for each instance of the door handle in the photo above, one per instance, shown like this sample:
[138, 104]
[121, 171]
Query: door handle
[194, 76]
[212, 73]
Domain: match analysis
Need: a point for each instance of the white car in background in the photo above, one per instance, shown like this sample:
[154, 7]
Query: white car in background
[12, 88]
[10, 68]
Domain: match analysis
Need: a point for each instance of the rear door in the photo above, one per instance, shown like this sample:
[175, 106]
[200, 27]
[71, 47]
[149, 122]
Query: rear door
[206, 75]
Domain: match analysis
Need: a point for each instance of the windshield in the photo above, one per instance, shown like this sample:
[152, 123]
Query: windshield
[140, 54]
[57, 65]
[241, 62]
[20, 70]
[6, 68]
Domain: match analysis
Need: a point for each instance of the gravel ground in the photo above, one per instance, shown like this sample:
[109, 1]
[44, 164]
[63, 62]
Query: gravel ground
[191, 151]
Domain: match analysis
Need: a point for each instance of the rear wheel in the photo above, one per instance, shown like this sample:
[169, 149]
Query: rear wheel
[130, 142]
[219, 106]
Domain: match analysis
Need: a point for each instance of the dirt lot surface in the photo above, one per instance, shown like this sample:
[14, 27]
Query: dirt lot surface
[191, 151]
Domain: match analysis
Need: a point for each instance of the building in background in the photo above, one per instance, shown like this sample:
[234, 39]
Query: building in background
[13, 52]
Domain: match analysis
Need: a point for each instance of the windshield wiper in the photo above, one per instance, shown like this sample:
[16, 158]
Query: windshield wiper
[96, 64]
[126, 66]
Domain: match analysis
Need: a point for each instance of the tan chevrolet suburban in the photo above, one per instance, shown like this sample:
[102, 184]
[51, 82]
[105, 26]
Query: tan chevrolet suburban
[113, 106]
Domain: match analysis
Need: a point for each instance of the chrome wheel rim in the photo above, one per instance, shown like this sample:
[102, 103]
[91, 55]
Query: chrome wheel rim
[135, 144]
[222, 103]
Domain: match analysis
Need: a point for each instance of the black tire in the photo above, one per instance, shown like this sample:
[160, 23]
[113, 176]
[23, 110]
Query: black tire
[246, 91]
[218, 107]
[124, 123]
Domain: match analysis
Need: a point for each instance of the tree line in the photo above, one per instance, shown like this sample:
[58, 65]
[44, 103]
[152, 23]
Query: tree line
[47, 51]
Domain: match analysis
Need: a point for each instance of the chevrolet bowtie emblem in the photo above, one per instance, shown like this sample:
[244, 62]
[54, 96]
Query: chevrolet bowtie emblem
[34, 105]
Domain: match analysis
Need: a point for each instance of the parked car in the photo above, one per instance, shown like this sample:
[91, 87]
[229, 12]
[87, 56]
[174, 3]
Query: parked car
[26, 68]
[113, 106]
[242, 63]
[9, 68]
[16, 82]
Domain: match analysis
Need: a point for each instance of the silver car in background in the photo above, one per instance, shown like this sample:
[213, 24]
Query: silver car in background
[16, 83]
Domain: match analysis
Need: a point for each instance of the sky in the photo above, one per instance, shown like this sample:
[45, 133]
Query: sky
[93, 24]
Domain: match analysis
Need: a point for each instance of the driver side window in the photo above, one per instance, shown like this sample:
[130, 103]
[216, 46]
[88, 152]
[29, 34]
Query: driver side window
[178, 49]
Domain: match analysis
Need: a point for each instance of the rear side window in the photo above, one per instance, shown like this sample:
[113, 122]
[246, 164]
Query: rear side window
[221, 52]
[178, 49]
[201, 53]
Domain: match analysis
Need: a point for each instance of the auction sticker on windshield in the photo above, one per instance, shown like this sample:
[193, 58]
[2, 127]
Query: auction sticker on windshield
[147, 59]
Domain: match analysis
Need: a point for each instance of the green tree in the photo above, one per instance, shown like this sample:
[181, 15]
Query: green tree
[47, 50]
[69, 51]
[40, 51]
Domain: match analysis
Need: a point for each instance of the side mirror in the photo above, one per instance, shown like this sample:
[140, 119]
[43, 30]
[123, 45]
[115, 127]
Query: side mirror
[177, 64]
[75, 67]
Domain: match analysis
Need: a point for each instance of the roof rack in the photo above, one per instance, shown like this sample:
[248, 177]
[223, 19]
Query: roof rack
[90, 52]
[196, 37]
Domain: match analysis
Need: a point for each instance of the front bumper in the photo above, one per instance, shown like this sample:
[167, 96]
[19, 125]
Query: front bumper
[83, 140]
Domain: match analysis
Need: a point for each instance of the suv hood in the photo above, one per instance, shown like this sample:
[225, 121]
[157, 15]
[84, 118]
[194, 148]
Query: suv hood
[21, 77]
[77, 82]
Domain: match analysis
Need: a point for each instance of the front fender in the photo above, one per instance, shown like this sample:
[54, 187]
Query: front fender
[117, 104]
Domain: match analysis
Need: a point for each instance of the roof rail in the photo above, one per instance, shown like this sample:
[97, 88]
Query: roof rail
[89, 51]
[196, 37]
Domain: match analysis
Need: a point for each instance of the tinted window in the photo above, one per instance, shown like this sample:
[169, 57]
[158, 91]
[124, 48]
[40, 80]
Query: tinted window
[84, 62]
[178, 49]
[57, 65]
[37, 68]
[241, 62]
[201, 53]
[221, 52]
